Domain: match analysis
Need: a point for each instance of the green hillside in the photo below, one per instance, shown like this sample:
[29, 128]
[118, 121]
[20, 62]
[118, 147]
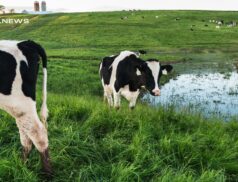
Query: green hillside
[89, 141]
[81, 35]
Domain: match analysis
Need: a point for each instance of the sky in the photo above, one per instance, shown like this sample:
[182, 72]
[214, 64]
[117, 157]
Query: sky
[111, 5]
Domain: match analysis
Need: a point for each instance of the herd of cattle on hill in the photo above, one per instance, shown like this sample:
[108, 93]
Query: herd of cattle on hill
[123, 74]
[218, 23]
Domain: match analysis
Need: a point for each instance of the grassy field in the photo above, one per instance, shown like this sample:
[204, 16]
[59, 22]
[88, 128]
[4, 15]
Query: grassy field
[90, 142]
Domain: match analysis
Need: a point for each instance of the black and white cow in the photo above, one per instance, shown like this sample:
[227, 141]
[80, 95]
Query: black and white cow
[19, 64]
[125, 74]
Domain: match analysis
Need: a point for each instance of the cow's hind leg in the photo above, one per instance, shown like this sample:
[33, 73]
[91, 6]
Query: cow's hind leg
[38, 135]
[26, 143]
[36, 131]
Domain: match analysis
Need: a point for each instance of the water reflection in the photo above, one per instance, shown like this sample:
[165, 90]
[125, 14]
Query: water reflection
[209, 93]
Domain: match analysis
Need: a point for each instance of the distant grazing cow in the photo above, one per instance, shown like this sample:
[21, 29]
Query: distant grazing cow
[19, 64]
[124, 18]
[231, 24]
[125, 74]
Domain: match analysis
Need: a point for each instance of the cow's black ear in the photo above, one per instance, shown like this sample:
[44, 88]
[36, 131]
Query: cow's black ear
[166, 69]
[142, 66]
[139, 64]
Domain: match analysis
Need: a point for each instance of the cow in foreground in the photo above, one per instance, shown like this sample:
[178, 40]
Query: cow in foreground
[126, 74]
[19, 64]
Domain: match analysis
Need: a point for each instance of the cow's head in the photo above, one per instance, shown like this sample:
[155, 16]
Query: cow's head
[152, 71]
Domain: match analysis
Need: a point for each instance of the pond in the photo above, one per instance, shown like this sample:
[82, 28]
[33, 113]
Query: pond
[212, 92]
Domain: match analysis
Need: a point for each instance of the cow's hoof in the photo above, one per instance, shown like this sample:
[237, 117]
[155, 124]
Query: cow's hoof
[47, 174]
[47, 169]
[132, 108]
[117, 107]
[24, 158]
[25, 155]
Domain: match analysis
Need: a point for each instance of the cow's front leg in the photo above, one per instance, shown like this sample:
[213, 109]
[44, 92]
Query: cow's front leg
[133, 99]
[104, 96]
[117, 95]
[117, 100]
[110, 100]
[108, 95]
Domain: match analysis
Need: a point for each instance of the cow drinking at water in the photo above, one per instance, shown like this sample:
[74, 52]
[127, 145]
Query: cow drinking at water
[125, 74]
[19, 64]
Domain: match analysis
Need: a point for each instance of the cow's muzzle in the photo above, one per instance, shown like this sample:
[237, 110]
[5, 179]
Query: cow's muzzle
[156, 92]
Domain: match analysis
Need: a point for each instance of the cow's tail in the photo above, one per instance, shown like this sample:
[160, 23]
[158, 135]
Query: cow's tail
[42, 53]
[44, 109]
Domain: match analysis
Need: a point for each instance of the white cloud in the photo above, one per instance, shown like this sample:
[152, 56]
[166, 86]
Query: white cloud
[106, 5]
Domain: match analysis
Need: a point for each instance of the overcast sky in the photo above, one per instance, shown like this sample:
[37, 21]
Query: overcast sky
[110, 5]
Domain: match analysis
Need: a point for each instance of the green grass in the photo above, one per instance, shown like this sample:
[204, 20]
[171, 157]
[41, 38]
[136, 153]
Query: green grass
[89, 141]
